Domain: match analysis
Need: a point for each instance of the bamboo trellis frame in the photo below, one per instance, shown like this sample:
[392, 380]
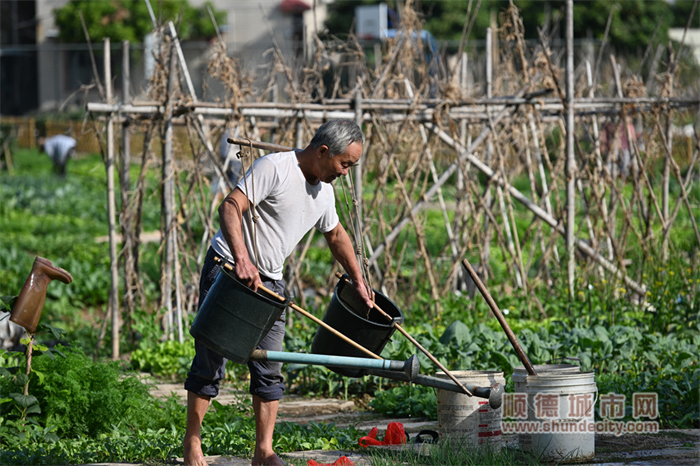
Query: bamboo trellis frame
[419, 143]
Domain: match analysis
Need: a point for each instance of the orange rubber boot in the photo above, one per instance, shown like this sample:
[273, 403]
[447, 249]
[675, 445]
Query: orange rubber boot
[30, 302]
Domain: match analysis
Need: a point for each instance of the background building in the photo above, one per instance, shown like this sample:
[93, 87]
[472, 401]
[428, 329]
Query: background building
[38, 72]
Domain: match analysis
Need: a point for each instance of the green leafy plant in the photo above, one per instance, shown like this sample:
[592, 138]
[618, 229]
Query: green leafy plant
[404, 400]
[168, 359]
[80, 396]
[20, 410]
[290, 436]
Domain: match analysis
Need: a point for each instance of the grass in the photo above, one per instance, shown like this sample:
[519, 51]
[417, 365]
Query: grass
[452, 454]
[444, 454]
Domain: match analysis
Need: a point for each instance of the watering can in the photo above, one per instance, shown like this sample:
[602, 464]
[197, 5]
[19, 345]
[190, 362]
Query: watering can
[226, 325]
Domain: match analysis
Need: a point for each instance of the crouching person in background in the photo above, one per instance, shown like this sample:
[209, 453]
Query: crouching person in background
[59, 148]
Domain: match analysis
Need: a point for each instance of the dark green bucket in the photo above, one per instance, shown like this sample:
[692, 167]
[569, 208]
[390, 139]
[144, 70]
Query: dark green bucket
[234, 319]
[348, 314]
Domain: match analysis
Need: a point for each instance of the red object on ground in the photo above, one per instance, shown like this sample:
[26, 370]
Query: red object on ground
[395, 435]
[342, 461]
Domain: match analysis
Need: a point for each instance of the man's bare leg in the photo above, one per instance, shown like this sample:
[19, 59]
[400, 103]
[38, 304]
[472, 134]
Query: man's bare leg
[197, 406]
[265, 416]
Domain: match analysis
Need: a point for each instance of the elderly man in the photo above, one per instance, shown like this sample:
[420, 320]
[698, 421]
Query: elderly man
[292, 194]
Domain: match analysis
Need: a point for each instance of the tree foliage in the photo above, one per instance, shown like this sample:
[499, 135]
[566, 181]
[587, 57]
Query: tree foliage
[129, 20]
[681, 12]
[633, 22]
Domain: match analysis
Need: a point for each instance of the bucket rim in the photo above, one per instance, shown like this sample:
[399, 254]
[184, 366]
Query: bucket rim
[258, 294]
[550, 376]
[344, 304]
[549, 368]
[561, 375]
[470, 373]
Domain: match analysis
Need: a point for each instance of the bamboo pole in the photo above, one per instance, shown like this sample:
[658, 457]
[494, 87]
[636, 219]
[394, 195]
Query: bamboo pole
[476, 110]
[666, 182]
[95, 74]
[486, 250]
[501, 320]
[358, 198]
[168, 200]
[111, 208]
[570, 156]
[125, 220]
[179, 316]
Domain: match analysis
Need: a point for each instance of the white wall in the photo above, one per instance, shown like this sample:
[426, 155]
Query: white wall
[692, 39]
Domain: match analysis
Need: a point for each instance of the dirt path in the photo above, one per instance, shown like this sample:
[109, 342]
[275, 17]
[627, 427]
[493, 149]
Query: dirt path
[668, 447]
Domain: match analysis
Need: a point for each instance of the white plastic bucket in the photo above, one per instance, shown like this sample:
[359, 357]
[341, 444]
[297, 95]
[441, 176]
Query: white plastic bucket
[571, 432]
[520, 381]
[470, 421]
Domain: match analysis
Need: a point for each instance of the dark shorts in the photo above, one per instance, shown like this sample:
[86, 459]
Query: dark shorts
[208, 367]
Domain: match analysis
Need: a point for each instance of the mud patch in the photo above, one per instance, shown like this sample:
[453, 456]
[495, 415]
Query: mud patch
[667, 445]
[632, 442]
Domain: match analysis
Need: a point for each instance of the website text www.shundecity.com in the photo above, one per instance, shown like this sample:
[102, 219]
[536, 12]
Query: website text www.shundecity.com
[565, 426]
[545, 413]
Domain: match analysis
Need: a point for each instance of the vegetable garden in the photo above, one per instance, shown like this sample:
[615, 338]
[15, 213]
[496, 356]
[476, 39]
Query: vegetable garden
[628, 310]
[83, 411]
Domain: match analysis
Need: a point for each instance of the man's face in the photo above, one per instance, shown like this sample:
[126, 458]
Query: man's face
[333, 167]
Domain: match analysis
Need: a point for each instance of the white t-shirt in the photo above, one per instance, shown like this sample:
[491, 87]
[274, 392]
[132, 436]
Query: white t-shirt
[288, 207]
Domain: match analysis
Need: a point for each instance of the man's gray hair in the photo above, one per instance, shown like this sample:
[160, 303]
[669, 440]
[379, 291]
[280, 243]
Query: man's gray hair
[337, 135]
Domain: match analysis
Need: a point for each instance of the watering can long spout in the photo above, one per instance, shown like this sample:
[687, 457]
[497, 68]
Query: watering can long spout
[494, 393]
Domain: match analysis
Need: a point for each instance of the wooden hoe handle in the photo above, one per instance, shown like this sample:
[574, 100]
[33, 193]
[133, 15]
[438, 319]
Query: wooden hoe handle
[501, 320]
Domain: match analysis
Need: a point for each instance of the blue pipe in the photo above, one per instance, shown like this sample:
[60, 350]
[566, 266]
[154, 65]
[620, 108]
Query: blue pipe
[327, 360]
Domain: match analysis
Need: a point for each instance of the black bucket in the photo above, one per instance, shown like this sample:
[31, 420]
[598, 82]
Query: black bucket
[234, 319]
[348, 314]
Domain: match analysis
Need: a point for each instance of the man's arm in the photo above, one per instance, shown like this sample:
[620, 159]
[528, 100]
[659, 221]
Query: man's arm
[230, 220]
[341, 247]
